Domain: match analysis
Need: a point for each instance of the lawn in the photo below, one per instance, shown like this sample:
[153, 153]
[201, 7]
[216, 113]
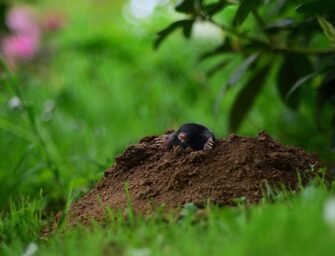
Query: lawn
[300, 224]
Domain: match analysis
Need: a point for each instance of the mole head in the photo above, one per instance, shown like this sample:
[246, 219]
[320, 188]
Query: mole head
[182, 137]
[195, 136]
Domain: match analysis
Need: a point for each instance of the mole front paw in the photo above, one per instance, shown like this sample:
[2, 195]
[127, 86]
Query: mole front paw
[162, 140]
[209, 144]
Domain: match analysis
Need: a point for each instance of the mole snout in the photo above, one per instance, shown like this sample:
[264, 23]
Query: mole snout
[195, 136]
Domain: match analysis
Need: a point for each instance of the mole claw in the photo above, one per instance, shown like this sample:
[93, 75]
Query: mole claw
[207, 148]
[209, 144]
[162, 140]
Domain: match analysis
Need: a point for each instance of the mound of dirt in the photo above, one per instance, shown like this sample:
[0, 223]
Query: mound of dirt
[236, 167]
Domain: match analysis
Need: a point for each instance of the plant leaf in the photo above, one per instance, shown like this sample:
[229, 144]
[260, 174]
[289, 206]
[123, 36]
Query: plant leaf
[317, 7]
[212, 53]
[214, 8]
[327, 28]
[17, 131]
[243, 11]
[186, 25]
[234, 78]
[211, 72]
[282, 24]
[240, 71]
[293, 67]
[246, 97]
[286, 78]
[299, 83]
[187, 6]
[187, 29]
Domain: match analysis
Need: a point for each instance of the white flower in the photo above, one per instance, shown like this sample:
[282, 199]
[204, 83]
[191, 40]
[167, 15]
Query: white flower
[329, 212]
[32, 248]
[143, 8]
[206, 30]
[15, 103]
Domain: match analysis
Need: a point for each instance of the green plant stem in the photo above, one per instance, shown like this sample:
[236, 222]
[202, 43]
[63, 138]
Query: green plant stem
[32, 121]
[270, 47]
[238, 34]
[306, 51]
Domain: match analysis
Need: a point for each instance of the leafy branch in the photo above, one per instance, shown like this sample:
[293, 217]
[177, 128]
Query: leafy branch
[291, 39]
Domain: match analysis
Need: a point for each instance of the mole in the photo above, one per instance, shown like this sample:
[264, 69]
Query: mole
[195, 136]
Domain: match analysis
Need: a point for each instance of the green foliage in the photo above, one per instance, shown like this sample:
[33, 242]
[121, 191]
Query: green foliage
[246, 97]
[313, 7]
[296, 221]
[328, 29]
[293, 68]
[186, 26]
[246, 7]
[288, 35]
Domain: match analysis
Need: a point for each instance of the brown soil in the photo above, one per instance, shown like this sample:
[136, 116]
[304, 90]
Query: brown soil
[236, 167]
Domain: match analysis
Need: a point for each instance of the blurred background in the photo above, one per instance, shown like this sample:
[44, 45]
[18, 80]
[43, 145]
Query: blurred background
[85, 82]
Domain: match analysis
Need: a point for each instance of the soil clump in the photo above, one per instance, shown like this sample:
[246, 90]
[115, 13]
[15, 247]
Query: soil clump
[237, 167]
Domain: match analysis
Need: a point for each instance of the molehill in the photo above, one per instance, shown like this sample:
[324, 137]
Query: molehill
[236, 167]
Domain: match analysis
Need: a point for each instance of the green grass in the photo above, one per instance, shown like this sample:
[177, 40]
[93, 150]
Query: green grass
[291, 225]
[110, 89]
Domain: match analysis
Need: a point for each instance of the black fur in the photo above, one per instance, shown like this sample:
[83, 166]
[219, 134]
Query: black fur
[196, 136]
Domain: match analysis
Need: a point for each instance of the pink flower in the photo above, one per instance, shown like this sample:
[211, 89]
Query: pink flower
[22, 19]
[20, 46]
[23, 43]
